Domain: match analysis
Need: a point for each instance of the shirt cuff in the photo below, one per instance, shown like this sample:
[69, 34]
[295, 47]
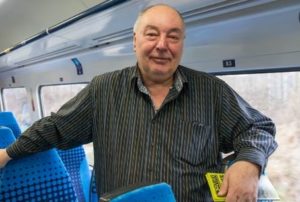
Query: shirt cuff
[13, 151]
[253, 156]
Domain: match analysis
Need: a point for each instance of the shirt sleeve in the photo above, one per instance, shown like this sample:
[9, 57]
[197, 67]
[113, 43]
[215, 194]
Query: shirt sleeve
[245, 130]
[69, 127]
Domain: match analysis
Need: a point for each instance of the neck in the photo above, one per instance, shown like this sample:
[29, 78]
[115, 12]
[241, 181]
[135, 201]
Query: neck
[157, 84]
[158, 90]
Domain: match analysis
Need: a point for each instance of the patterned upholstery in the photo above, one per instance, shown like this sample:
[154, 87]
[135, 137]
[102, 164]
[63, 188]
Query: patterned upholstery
[78, 168]
[160, 192]
[74, 160]
[38, 177]
[8, 119]
[93, 191]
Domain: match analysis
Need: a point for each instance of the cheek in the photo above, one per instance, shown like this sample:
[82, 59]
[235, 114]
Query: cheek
[146, 46]
[176, 51]
[145, 50]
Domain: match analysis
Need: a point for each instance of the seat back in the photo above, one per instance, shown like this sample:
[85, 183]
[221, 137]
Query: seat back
[8, 119]
[160, 192]
[6, 137]
[76, 164]
[38, 177]
[93, 197]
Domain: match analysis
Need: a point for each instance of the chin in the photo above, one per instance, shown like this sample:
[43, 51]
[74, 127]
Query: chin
[160, 72]
[162, 75]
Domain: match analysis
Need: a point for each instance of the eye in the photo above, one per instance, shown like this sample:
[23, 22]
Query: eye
[174, 38]
[151, 35]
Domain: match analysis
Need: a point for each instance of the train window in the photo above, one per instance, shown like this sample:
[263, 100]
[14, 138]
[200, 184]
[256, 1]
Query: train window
[16, 101]
[54, 96]
[277, 95]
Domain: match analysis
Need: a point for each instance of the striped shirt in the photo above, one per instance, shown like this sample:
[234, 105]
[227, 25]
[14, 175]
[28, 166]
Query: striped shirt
[181, 141]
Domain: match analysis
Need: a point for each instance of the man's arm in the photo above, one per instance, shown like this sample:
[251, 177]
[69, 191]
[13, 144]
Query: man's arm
[250, 135]
[69, 127]
[4, 158]
[245, 130]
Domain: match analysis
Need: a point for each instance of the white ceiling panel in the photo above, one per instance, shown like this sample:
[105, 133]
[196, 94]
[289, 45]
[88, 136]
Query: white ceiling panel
[22, 19]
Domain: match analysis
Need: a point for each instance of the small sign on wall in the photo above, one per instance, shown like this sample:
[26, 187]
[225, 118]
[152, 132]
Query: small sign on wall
[229, 63]
[78, 66]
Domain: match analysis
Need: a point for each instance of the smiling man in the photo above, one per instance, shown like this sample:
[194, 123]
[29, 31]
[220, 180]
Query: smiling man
[158, 43]
[160, 121]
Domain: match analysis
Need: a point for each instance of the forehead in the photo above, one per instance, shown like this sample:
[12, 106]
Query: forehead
[161, 17]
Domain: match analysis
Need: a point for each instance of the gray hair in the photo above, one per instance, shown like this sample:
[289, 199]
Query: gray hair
[148, 8]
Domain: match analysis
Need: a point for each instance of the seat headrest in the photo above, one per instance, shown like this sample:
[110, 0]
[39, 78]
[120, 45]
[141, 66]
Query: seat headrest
[6, 137]
[160, 192]
[9, 120]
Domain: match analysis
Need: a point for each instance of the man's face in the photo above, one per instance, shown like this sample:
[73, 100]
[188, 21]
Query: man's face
[158, 42]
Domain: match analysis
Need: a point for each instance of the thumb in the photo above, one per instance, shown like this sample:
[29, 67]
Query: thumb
[4, 158]
[224, 187]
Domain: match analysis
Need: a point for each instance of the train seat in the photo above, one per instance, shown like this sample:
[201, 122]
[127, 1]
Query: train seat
[8, 119]
[6, 136]
[76, 164]
[38, 177]
[93, 197]
[73, 159]
[160, 192]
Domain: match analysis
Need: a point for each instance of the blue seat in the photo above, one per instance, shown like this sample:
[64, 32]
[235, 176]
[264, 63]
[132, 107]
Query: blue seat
[93, 197]
[160, 192]
[73, 159]
[6, 137]
[76, 164]
[8, 119]
[38, 177]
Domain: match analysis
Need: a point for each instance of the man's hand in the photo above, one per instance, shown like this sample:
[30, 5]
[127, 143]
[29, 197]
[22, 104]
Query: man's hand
[4, 158]
[241, 182]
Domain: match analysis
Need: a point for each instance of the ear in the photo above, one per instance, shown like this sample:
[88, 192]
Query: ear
[134, 41]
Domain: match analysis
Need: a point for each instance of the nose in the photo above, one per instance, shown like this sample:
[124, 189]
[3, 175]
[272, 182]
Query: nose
[161, 43]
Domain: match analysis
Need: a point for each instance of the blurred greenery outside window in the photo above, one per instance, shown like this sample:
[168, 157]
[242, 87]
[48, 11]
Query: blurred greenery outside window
[16, 101]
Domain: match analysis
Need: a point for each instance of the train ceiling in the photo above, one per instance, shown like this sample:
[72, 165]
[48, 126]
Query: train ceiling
[22, 19]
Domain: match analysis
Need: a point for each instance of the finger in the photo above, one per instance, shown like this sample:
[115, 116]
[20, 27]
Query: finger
[224, 187]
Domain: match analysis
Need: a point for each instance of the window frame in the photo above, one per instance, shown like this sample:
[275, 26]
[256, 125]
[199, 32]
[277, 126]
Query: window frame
[47, 85]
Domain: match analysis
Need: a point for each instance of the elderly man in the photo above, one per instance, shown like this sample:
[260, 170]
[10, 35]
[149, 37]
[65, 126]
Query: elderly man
[159, 121]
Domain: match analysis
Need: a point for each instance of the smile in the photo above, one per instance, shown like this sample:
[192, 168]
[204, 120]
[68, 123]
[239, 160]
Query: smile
[160, 60]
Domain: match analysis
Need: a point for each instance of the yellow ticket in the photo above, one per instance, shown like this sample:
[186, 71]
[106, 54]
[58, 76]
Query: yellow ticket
[214, 182]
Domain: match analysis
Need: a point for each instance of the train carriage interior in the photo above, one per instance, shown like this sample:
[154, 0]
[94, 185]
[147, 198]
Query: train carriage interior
[55, 51]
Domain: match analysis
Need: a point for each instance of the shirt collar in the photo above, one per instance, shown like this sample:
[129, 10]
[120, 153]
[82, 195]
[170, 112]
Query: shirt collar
[180, 79]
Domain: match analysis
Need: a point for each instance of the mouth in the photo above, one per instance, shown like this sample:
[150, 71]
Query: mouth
[160, 60]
